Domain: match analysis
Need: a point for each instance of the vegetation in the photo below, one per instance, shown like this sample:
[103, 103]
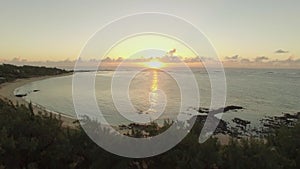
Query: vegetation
[28, 141]
[11, 72]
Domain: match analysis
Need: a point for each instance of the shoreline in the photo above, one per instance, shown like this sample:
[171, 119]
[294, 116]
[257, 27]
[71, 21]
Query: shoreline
[7, 94]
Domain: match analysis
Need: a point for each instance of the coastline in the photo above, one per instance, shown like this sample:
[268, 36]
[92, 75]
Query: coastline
[7, 94]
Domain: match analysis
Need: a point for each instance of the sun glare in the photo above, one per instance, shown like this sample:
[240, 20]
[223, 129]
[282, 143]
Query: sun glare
[154, 64]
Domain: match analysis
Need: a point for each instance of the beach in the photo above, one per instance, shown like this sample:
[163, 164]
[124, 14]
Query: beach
[7, 93]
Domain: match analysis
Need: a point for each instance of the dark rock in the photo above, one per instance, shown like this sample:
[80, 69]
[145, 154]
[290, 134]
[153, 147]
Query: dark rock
[220, 110]
[287, 119]
[21, 95]
[241, 121]
[203, 110]
[232, 108]
[292, 116]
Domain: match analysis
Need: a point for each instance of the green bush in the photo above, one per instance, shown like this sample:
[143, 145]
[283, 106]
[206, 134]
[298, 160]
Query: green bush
[30, 142]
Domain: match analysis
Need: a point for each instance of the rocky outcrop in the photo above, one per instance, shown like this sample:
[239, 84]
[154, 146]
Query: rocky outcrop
[220, 110]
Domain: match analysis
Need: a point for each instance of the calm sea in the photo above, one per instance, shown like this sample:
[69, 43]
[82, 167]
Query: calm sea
[262, 92]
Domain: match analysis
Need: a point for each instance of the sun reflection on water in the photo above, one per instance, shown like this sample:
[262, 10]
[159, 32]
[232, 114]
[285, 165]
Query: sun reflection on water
[154, 81]
[154, 94]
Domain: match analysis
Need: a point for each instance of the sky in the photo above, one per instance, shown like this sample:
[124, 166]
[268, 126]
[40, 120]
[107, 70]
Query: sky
[53, 31]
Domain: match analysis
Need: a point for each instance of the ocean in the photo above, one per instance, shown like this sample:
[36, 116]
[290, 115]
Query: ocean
[156, 95]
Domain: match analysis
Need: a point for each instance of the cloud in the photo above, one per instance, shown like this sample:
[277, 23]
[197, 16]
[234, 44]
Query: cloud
[281, 51]
[171, 52]
[229, 61]
[289, 61]
[170, 59]
[16, 59]
[245, 60]
[194, 59]
[261, 58]
[232, 58]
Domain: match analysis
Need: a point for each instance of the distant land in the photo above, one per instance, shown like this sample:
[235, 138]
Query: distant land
[10, 72]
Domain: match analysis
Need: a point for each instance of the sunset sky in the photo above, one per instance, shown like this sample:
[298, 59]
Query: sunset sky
[35, 30]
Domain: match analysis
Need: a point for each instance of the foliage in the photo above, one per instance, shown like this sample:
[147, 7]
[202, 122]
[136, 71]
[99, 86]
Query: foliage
[28, 141]
[11, 72]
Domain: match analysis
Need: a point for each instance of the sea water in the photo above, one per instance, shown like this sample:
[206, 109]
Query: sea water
[262, 92]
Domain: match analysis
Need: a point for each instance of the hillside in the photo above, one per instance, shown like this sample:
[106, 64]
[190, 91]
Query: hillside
[10, 72]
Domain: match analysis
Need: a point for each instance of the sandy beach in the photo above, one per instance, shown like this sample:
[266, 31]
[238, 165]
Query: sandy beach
[7, 93]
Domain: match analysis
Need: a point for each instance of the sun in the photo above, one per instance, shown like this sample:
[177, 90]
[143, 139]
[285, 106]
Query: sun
[155, 64]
